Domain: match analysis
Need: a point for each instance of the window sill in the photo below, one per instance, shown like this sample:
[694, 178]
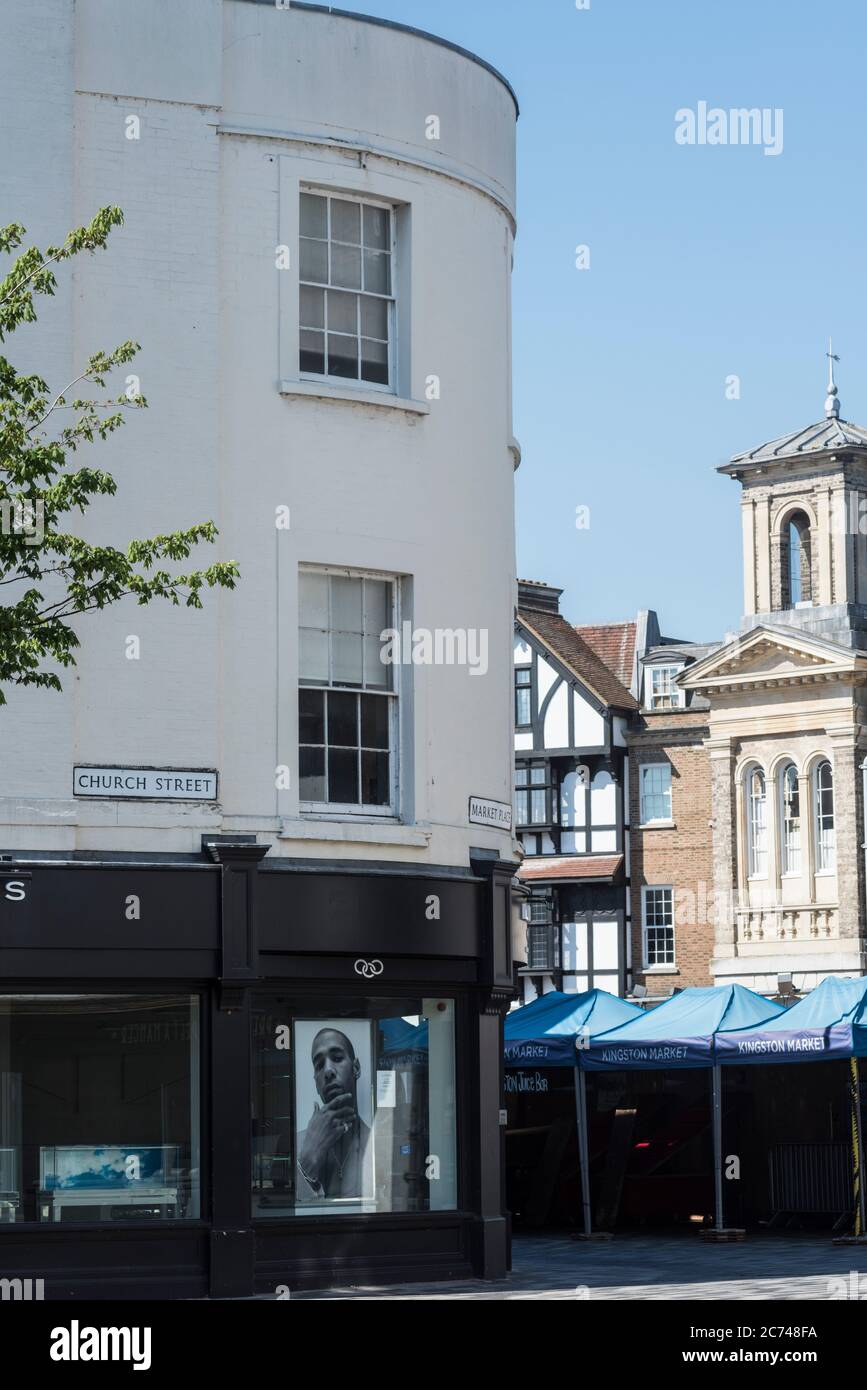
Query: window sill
[659, 970]
[657, 825]
[358, 832]
[326, 391]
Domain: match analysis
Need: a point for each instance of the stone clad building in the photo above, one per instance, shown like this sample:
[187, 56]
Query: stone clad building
[788, 708]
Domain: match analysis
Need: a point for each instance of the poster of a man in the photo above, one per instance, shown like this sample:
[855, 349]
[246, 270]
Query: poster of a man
[334, 1109]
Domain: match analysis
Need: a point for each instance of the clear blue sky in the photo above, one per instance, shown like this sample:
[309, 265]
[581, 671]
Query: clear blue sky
[705, 261]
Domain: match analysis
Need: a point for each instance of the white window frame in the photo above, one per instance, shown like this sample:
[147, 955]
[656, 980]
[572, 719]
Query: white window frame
[826, 850]
[644, 797]
[671, 692]
[757, 853]
[323, 810]
[646, 890]
[349, 383]
[791, 840]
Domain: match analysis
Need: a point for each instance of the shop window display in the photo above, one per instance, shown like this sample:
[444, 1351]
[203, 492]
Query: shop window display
[99, 1108]
[354, 1106]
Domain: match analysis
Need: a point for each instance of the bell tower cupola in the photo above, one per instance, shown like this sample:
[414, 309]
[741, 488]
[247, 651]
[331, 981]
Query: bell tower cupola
[804, 508]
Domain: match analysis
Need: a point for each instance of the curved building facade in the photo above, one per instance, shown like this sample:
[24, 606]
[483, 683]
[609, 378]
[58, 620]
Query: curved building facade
[257, 859]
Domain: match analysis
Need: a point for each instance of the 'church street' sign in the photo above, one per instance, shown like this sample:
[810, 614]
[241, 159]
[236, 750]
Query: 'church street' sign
[148, 783]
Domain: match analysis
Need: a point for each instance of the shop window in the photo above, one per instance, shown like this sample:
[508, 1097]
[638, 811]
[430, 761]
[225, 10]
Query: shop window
[347, 304]
[354, 1106]
[347, 703]
[99, 1108]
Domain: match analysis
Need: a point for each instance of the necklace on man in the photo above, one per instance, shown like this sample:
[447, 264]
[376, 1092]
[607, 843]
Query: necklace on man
[341, 1163]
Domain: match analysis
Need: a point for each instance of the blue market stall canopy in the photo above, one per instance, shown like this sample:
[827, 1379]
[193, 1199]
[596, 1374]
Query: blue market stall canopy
[680, 1032]
[543, 1033]
[829, 1022]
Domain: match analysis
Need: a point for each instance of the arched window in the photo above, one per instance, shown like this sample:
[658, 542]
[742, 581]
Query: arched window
[796, 561]
[826, 847]
[790, 820]
[757, 823]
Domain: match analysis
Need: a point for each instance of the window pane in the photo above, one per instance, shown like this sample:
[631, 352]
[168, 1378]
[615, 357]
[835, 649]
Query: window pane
[374, 361]
[311, 716]
[346, 658]
[345, 221]
[313, 261]
[374, 317]
[346, 267]
[312, 355]
[312, 307]
[523, 677]
[522, 808]
[656, 792]
[346, 600]
[99, 1102]
[537, 775]
[343, 720]
[374, 721]
[377, 272]
[521, 777]
[538, 808]
[313, 655]
[375, 790]
[313, 216]
[376, 671]
[313, 599]
[342, 356]
[401, 1081]
[376, 229]
[342, 312]
[311, 768]
[377, 606]
[343, 775]
[522, 706]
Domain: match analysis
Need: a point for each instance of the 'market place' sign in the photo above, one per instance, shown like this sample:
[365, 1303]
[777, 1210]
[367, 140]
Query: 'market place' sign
[152, 783]
[495, 813]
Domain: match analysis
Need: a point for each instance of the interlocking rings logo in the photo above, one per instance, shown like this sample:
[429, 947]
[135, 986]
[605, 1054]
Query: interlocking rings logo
[368, 968]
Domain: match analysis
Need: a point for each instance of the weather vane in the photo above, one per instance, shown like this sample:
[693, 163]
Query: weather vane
[832, 404]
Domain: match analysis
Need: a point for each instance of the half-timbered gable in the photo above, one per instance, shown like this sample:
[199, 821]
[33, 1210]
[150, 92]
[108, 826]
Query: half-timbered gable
[571, 716]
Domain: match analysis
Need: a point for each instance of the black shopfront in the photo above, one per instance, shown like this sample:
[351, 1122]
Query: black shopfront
[226, 1074]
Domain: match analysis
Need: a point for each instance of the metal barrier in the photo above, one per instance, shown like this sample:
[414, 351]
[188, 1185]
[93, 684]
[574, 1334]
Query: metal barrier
[810, 1178]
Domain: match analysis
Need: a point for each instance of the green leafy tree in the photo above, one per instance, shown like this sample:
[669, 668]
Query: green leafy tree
[47, 574]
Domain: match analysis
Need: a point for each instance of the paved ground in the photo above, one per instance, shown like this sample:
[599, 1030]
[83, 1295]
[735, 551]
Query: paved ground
[763, 1267]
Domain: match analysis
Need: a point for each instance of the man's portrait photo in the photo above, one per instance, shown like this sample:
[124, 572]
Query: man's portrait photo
[334, 1110]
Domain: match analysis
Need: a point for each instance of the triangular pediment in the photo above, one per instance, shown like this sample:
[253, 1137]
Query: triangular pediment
[772, 656]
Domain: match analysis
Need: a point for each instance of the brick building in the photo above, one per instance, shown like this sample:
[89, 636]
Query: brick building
[670, 860]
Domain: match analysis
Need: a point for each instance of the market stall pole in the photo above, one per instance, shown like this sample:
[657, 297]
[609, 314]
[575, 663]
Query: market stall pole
[583, 1145]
